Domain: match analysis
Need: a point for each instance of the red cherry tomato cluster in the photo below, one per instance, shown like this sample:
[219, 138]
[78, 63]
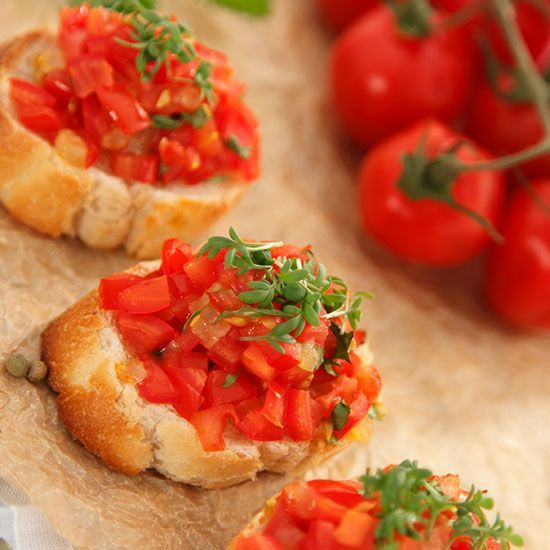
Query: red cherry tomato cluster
[202, 366]
[398, 92]
[162, 129]
[323, 514]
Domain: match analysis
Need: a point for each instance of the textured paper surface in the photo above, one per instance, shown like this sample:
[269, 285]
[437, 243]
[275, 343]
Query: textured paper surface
[464, 394]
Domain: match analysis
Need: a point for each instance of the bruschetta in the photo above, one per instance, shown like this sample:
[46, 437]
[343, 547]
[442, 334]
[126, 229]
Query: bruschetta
[121, 129]
[213, 365]
[402, 507]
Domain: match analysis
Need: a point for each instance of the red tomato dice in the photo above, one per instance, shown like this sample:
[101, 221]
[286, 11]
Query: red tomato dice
[218, 393]
[210, 425]
[111, 287]
[148, 296]
[190, 382]
[157, 387]
[175, 254]
[144, 332]
[255, 362]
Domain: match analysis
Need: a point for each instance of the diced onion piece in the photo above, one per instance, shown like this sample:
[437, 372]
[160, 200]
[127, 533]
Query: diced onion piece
[207, 329]
[137, 371]
[71, 147]
[310, 357]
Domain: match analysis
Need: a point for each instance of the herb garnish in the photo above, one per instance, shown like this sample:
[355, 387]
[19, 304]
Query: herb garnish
[287, 288]
[197, 119]
[233, 144]
[230, 379]
[409, 498]
[343, 341]
[339, 415]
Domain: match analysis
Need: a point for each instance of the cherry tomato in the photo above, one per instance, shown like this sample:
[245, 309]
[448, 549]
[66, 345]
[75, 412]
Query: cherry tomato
[383, 80]
[506, 126]
[517, 284]
[427, 231]
[339, 15]
[534, 27]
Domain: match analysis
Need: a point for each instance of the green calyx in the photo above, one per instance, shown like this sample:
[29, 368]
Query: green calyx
[412, 17]
[433, 178]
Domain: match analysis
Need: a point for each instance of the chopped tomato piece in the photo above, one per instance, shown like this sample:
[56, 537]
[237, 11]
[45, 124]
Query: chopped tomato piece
[135, 167]
[201, 271]
[300, 414]
[130, 115]
[157, 387]
[144, 332]
[224, 299]
[175, 254]
[210, 425]
[370, 381]
[358, 410]
[89, 73]
[342, 492]
[255, 362]
[356, 530]
[319, 535]
[148, 296]
[39, 118]
[218, 391]
[342, 388]
[257, 427]
[290, 358]
[227, 351]
[174, 357]
[27, 93]
[257, 541]
[300, 500]
[58, 83]
[275, 403]
[190, 382]
[111, 287]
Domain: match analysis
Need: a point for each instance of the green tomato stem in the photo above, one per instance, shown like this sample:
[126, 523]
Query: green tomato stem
[534, 82]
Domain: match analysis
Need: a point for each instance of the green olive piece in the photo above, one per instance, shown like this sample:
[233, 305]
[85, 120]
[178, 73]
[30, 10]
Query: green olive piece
[17, 365]
[37, 371]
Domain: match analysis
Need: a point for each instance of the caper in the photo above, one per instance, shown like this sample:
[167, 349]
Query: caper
[17, 365]
[37, 371]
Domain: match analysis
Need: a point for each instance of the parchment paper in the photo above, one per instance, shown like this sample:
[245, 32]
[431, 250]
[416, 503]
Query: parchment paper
[464, 393]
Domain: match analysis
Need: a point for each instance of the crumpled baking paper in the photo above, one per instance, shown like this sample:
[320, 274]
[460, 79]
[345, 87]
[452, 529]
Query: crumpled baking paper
[464, 394]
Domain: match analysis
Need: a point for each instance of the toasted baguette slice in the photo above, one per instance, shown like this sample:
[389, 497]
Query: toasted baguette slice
[99, 404]
[42, 190]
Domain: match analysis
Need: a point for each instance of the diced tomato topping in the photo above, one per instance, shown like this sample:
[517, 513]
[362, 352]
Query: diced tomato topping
[88, 74]
[257, 542]
[175, 254]
[220, 389]
[201, 271]
[144, 332]
[210, 424]
[190, 382]
[147, 296]
[257, 427]
[180, 321]
[255, 362]
[301, 415]
[345, 493]
[275, 404]
[58, 83]
[111, 287]
[157, 387]
[356, 530]
[319, 535]
[358, 410]
[129, 166]
[130, 115]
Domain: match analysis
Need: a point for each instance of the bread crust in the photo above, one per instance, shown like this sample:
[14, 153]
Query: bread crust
[99, 404]
[43, 191]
